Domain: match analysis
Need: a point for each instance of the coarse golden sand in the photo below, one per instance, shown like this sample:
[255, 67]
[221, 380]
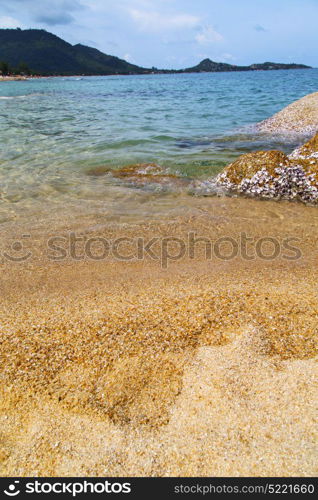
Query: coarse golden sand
[205, 368]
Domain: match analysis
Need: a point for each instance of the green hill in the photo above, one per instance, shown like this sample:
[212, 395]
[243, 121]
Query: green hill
[47, 54]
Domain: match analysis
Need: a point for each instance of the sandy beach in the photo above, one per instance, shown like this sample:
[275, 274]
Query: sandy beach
[204, 367]
[13, 78]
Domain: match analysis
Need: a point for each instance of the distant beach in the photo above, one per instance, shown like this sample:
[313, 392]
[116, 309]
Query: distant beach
[12, 78]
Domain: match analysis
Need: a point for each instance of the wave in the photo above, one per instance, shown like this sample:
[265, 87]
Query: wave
[208, 187]
[23, 96]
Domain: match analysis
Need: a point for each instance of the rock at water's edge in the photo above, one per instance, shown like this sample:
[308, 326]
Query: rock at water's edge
[246, 166]
[272, 174]
[300, 117]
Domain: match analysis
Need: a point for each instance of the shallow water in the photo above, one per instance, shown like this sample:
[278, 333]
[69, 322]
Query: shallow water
[56, 131]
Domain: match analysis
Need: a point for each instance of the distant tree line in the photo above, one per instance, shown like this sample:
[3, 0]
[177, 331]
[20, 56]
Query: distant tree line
[21, 69]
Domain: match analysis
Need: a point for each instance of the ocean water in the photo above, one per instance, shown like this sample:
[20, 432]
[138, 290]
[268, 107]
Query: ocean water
[63, 139]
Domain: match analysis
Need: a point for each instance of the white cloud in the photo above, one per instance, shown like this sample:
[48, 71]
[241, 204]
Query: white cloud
[153, 21]
[208, 35]
[9, 22]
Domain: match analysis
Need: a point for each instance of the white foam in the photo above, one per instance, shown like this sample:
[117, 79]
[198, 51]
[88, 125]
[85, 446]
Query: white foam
[19, 96]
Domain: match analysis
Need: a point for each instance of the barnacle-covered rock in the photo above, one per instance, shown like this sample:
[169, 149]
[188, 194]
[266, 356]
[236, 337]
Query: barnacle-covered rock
[141, 175]
[272, 174]
[300, 117]
[144, 174]
[139, 169]
[310, 148]
[307, 155]
[246, 166]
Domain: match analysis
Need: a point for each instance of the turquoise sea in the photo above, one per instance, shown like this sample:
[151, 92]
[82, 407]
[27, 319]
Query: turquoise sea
[63, 138]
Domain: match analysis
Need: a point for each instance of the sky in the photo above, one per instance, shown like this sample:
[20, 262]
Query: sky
[178, 33]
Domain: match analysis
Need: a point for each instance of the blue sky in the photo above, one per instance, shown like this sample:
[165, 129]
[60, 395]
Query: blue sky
[178, 33]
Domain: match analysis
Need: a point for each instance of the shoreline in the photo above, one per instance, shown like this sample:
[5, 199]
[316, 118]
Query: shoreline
[164, 72]
[13, 78]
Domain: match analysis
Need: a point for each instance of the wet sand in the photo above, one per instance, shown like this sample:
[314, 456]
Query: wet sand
[207, 367]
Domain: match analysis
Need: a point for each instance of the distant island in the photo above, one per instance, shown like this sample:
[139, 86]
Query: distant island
[38, 52]
[209, 66]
